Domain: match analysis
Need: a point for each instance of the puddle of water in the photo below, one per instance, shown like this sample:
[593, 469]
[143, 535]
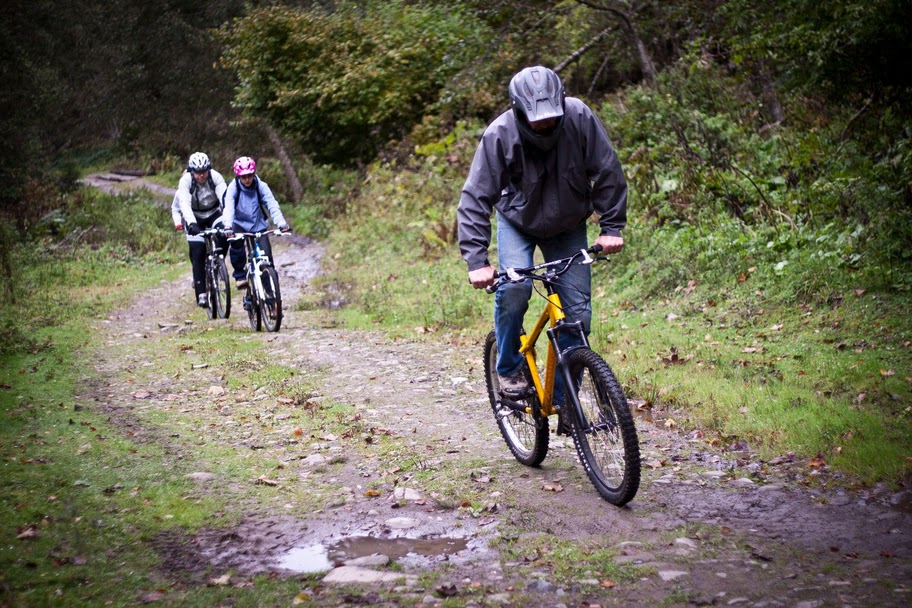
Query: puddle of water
[320, 558]
[306, 559]
[362, 546]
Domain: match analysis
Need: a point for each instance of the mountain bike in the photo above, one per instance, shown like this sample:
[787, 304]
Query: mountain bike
[218, 287]
[596, 410]
[263, 298]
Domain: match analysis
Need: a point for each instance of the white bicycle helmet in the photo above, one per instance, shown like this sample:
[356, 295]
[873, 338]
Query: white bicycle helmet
[199, 162]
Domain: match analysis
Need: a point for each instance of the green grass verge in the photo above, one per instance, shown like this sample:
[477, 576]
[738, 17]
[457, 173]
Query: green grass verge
[826, 375]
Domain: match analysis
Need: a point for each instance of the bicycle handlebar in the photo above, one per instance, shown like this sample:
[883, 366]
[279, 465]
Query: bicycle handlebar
[552, 269]
[275, 231]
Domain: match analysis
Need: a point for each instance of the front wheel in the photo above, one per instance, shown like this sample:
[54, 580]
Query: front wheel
[606, 438]
[220, 292]
[252, 306]
[526, 432]
[271, 304]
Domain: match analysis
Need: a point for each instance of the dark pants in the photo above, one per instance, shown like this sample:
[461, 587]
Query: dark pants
[239, 256]
[198, 252]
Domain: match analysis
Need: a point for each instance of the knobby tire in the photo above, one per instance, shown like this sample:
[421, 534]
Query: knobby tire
[271, 304]
[526, 434]
[254, 314]
[606, 439]
[210, 290]
[220, 294]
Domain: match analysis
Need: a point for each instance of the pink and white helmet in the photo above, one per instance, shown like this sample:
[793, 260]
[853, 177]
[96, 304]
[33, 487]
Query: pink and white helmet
[244, 166]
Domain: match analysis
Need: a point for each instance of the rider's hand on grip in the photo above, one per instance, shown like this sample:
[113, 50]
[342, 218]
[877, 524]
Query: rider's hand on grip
[193, 229]
[229, 233]
[285, 228]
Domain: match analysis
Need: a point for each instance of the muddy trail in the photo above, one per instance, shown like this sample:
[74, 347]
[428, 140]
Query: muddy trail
[711, 525]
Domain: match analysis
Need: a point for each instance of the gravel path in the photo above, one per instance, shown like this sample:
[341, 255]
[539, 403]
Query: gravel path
[708, 527]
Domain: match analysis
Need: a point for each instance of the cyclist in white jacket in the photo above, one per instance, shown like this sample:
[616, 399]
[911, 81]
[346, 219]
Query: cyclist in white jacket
[197, 205]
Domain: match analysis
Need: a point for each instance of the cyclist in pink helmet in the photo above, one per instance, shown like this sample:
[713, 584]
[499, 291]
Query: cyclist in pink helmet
[247, 202]
[244, 166]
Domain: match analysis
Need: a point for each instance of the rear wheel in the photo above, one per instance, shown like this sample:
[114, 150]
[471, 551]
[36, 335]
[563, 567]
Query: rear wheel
[526, 432]
[220, 294]
[254, 315]
[606, 438]
[271, 304]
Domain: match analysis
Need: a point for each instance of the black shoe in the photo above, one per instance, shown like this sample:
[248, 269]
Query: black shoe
[563, 427]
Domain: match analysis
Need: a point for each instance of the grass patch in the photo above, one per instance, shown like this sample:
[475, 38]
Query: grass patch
[781, 338]
[568, 561]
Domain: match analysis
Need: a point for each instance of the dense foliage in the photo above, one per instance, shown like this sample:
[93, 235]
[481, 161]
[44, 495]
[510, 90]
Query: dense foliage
[85, 81]
[345, 82]
[768, 147]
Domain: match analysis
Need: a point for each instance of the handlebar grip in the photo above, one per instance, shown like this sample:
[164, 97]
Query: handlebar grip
[496, 284]
[595, 249]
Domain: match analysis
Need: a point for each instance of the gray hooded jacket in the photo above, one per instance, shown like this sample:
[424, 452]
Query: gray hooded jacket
[541, 193]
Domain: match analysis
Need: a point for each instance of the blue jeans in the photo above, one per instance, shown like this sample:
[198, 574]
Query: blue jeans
[515, 250]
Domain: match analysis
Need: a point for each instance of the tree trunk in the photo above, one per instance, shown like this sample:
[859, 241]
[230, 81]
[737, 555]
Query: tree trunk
[770, 99]
[293, 182]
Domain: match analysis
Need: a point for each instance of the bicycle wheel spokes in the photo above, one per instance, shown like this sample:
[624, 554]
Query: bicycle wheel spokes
[220, 297]
[606, 440]
[271, 304]
[526, 433]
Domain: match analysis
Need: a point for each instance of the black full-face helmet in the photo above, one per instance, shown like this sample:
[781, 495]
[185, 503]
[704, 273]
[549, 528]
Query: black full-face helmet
[537, 93]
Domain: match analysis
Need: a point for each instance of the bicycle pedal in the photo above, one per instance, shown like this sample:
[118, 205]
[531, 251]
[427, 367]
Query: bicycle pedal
[517, 395]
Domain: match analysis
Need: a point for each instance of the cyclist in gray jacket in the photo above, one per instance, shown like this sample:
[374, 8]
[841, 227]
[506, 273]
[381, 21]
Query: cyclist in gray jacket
[543, 168]
[247, 201]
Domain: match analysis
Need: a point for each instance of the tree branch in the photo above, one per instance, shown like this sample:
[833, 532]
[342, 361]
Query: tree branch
[645, 59]
[579, 52]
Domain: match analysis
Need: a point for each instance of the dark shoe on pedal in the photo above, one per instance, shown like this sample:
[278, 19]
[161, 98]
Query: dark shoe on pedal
[515, 385]
[563, 427]
[202, 300]
[241, 284]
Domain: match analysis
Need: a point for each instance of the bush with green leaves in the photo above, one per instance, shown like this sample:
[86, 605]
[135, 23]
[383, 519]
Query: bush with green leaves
[720, 193]
[344, 82]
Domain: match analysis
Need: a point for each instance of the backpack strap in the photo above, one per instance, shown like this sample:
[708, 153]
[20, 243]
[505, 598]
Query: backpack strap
[237, 194]
[194, 186]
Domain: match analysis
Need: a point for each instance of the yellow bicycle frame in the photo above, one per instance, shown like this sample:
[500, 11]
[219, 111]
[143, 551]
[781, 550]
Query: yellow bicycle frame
[552, 314]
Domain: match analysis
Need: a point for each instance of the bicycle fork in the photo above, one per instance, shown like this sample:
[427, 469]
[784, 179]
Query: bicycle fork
[562, 366]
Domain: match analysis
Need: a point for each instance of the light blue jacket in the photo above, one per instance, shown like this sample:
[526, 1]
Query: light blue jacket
[246, 215]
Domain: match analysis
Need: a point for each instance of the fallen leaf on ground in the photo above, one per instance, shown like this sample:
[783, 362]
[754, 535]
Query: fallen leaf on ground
[30, 533]
[816, 463]
[152, 596]
[222, 581]
[262, 480]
